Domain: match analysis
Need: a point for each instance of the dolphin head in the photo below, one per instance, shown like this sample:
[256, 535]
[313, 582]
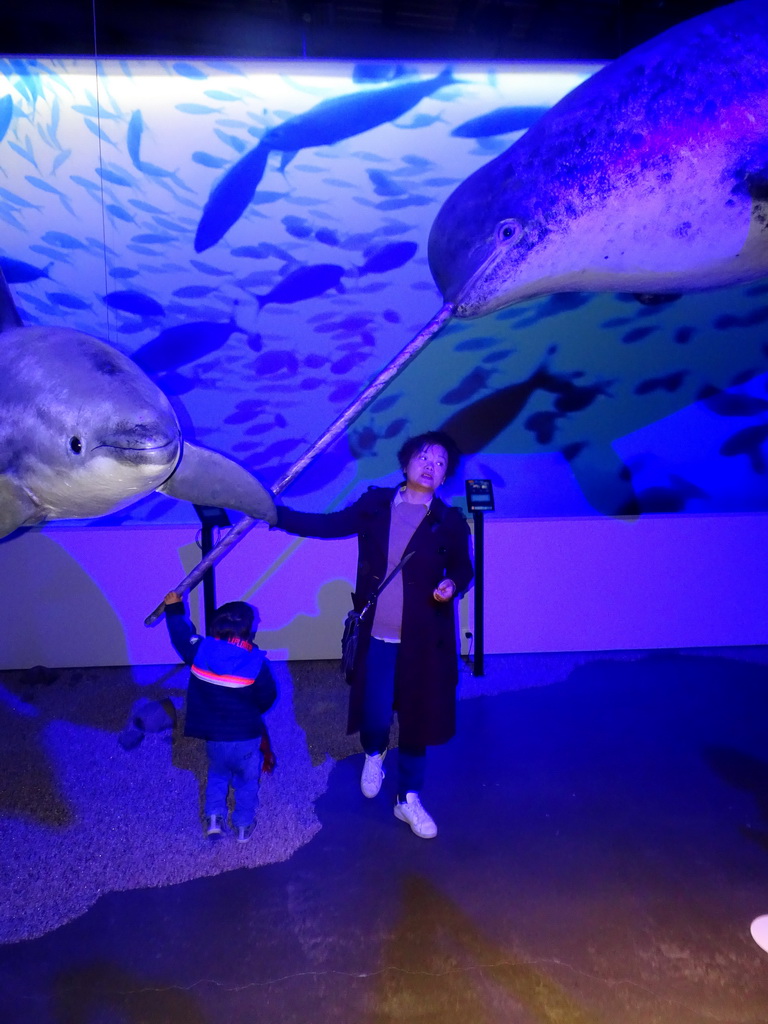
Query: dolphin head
[84, 430]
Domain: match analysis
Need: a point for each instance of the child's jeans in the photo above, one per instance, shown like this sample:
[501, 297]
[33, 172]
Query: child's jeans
[235, 763]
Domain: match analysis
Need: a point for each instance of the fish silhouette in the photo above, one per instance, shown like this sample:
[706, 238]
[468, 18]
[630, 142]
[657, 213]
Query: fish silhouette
[134, 302]
[208, 160]
[304, 283]
[383, 185]
[749, 442]
[187, 70]
[182, 344]
[373, 72]
[499, 122]
[62, 240]
[68, 301]
[328, 122]
[388, 257]
[119, 212]
[6, 115]
[19, 272]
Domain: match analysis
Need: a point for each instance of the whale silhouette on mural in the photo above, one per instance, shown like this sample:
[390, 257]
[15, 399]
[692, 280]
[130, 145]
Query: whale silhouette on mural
[651, 178]
[328, 122]
[648, 394]
[84, 432]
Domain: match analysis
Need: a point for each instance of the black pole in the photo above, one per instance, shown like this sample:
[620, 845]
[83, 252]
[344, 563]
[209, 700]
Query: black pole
[210, 517]
[209, 581]
[478, 669]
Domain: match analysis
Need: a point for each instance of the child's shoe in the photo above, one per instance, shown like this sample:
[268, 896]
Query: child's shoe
[245, 832]
[216, 827]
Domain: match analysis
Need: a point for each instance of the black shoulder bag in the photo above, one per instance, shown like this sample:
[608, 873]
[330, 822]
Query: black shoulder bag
[352, 623]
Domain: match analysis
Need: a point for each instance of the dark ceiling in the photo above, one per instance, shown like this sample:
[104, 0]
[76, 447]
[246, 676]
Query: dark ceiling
[356, 29]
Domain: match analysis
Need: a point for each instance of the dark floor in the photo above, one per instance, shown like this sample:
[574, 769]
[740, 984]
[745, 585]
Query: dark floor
[603, 848]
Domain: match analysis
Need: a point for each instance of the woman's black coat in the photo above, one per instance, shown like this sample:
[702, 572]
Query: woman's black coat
[427, 669]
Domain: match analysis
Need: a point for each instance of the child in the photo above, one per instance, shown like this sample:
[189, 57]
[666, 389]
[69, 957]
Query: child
[230, 686]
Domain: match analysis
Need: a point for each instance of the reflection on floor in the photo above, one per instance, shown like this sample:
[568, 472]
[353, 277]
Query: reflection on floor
[603, 849]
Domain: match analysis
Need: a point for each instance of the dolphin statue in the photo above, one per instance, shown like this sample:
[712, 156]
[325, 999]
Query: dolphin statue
[651, 177]
[84, 432]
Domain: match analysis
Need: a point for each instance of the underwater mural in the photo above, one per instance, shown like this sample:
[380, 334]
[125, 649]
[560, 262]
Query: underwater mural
[255, 234]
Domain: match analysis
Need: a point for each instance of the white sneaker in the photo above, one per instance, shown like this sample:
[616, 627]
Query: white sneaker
[216, 826]
[373, 774]
[413, 814]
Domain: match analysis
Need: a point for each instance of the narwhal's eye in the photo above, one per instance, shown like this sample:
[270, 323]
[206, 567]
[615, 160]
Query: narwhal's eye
[76, 445]
[508, 231]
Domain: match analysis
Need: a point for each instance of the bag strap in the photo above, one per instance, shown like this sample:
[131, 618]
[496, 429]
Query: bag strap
[371, 600]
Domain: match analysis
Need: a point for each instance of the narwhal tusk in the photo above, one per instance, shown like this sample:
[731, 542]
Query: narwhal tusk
[339, 425]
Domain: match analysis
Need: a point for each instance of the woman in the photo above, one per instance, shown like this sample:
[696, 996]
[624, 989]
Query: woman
[406, 656]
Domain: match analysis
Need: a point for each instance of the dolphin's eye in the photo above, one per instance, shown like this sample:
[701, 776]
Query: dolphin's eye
[75, 445]
[508, 231]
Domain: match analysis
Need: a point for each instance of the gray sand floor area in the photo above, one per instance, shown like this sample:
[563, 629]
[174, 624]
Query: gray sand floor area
[601, 856]
[80, 780]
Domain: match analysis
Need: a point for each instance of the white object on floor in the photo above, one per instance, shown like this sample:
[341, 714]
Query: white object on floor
[413, 813]
[373, 774]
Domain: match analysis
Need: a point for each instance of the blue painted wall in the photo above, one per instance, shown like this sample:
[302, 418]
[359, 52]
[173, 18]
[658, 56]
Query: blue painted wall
[254, 235]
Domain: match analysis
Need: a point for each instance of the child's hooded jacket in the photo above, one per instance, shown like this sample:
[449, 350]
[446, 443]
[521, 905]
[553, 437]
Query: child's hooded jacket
[230, 685]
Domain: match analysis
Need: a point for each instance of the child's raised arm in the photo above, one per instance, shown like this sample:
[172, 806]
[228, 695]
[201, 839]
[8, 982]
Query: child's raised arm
[181, 630]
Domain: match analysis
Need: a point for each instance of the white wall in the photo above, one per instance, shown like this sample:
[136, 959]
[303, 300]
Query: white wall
[76, 596]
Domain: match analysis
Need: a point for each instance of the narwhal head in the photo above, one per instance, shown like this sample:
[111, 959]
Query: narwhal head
[483, 239]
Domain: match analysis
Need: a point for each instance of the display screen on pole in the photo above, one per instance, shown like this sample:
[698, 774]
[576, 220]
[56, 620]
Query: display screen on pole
[479, 496]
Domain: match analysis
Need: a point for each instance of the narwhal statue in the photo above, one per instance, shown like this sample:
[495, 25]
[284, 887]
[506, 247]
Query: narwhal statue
[650, 177]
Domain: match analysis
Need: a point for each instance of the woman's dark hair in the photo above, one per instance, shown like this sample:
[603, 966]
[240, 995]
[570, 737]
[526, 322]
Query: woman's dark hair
[417, 444]
[233, 621]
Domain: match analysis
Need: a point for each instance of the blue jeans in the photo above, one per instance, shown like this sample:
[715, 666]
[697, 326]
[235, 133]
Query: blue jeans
[378, 709]
[235, 763]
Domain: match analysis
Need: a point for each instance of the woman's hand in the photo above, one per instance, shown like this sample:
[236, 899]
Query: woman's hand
[172, 598]
[444, 591]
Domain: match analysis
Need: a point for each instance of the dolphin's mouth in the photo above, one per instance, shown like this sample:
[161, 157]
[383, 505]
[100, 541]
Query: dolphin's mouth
[137, 453]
